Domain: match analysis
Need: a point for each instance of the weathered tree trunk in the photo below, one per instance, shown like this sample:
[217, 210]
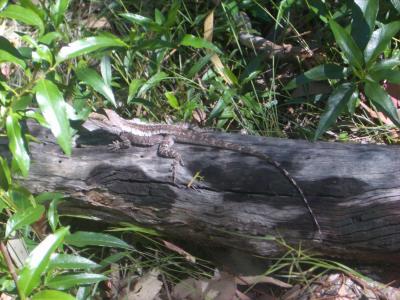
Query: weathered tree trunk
[353, 190]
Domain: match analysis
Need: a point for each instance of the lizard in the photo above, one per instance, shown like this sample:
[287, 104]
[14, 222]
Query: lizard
[131, 132]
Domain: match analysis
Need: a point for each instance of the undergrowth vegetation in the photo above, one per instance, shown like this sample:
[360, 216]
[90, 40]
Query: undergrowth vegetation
[277, 68]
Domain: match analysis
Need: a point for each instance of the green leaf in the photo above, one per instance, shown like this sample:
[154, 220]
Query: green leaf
[319, 8]
[172, 100]
[58, 10]
[321, 72]
[105, 69]
[85, 238]
[198, 43]
[24, 15]
[136, 229]
[16, 143]
[22, 103]
[48, 38]
[5, 174]
[68, 281]
[23, 218]
[52, 214]
[173, 13]
[53, 107]
[198, 65]
[38, 261]
[151, 82]
[52, 295]
[380, 98]
[385, 64]
[143, 21]
[46, 196]
[7, 57]
[364, 16]
[392, 76]
[91, 78]
[380, 39]
[396, 4]
[134, 86]
[88, 45]
[68, 261]
[8, 53]
[337, 101]
[347, 44]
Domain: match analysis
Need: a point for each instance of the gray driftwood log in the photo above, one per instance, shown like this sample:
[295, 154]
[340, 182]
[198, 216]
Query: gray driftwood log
[353, 189]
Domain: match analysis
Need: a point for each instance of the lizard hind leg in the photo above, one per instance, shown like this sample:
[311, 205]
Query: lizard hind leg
[165, 149]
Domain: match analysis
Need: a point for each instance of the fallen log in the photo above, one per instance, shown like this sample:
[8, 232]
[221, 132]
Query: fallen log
[240, 200]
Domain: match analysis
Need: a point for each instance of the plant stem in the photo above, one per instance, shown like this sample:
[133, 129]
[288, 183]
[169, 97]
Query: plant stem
[10, 266]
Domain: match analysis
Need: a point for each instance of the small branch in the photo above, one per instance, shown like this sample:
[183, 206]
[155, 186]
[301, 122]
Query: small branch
[10, 265]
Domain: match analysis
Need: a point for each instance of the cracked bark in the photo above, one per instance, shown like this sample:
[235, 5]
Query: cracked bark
[351, 188]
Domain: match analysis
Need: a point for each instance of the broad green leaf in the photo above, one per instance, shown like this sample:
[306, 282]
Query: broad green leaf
[347, 45]
[134, 86]
[22, 103]
[143, 21]
[194, 69]
[113, 258]
[151, 82]
[5, 174]
[88, 45]
[385, 64]
[85, 238]
[58, 10]
[24, 15]
[172, 100]
[42, 53]
[3, 4]
[353, 102]
[380, 39]
[198, 43]
[321, 72]
[21, 198]
[364, 16]
[46, 196]
[8, 53]
[7, 57]
[173, 13]
[68, 261]
[34, 7]
[16, 143]
[91, 78]
[392, 76]
[23, 217]
[48, 38]
[396, 4]
[380, 98]
[38, 260]
[52, 214]
[105, 69]
[52, 105]
[52, 295]
[68, 281]
[319, 8]
[336, 103]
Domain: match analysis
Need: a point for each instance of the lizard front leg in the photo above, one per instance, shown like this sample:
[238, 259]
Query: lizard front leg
[165, 149]
[117, 145]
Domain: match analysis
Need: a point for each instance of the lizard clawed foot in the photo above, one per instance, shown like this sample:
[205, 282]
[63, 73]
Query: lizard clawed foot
[115, 146]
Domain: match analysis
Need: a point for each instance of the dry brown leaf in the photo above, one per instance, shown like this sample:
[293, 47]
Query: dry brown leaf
[146, 288]
[180, 251]
[209, 26]
[190, 289]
